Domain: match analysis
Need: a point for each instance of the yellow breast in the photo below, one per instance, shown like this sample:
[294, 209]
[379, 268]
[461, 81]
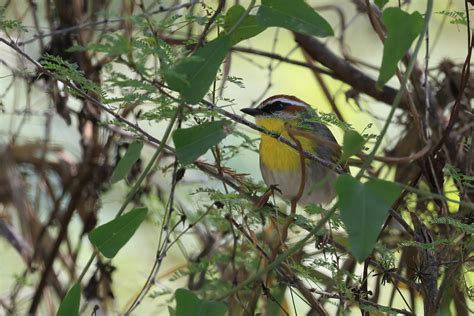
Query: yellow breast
[276, 155]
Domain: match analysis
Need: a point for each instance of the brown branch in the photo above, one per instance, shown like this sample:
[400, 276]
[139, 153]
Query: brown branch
[212, 19]
[16, 240]
[344, 71]
[466, 70]
[76, 195]
[319, 78]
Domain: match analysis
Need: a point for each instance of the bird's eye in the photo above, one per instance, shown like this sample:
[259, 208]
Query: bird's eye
[274, 107]
[278, 106]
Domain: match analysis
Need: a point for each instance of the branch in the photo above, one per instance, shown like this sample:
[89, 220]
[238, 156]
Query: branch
[344, 71]
[361, 300]
[287, 60]
[105, 21]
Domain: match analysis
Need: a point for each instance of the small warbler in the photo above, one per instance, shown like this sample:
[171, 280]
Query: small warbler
[280, 164]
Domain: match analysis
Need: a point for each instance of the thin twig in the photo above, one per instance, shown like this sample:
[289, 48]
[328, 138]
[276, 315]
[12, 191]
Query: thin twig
[105, 21]
[361, 300]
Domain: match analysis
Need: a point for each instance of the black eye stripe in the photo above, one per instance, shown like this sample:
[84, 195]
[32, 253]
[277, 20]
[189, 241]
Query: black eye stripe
[275, 106]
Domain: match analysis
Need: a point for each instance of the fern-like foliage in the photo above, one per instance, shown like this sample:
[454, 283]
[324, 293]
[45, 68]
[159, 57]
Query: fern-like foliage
[10, 25]
[460, 178]
[457, 17]
[68, 72]
[326, 118]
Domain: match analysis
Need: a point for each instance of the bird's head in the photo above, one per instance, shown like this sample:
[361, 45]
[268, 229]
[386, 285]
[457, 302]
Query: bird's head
[277, 110]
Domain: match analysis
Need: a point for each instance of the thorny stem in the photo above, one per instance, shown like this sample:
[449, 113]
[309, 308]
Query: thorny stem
[313, 302]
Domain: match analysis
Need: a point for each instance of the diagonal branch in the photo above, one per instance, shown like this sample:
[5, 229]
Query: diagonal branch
[344, 71]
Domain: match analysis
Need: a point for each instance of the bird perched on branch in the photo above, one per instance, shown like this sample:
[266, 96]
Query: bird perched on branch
[281, 165]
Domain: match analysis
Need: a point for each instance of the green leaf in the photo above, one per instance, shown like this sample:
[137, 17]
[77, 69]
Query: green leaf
[187, 303]
[248, 28]
[402, 30]
[127, 161]
[112, 236]
[192, 76]
[71, 302]
[295, 15]
[381, 3]
[352, 144]
[314, 209]
[190, 143]
[364, 208]
[377, 310]
[447, 299]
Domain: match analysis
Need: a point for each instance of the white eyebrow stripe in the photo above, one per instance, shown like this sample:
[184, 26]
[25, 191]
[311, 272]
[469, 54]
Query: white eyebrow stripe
[287, 101]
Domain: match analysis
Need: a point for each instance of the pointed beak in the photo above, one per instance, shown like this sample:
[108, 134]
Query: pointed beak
[252, 111]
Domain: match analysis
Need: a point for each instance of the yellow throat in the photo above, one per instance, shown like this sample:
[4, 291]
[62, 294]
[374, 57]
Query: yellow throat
[276, 155]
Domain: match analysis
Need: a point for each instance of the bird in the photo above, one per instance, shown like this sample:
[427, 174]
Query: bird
[280, 164]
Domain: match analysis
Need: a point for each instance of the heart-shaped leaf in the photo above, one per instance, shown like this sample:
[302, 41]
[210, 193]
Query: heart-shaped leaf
[112, 236]
[364, 208]
[190, 143]
[127, 161]
[248, 28]
[294, 15]
[352, 144]
[192, 76]
[71, 302]
[380, 3]
[402, 29]
[187, 303]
